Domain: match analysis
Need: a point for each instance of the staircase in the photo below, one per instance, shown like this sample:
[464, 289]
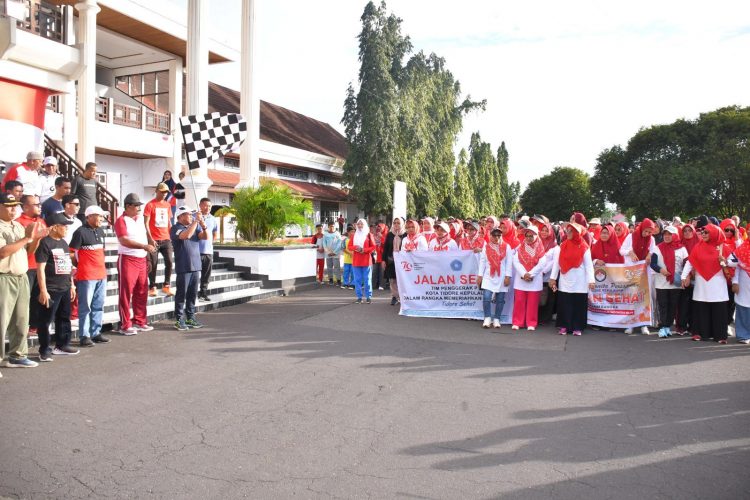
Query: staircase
[225, 288]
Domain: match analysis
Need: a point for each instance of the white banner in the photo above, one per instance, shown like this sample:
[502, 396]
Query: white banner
[442, 285]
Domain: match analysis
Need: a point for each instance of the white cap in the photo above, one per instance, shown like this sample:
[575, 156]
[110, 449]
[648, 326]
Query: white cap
[444, 226]
[671, 229]
[533, 229]
[595, 220]
[49, 160]
[184, 209]
[95, 210]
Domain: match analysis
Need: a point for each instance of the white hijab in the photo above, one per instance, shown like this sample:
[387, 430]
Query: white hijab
[360, 235]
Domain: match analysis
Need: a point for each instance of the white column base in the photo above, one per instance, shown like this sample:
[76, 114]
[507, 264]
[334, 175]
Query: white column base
[196, 188]
[248, 183]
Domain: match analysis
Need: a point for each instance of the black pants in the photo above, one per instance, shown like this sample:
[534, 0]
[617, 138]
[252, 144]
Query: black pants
[667, 300]
[59, 312]
[34, 291]
[685, 310]
[163, 247]
[207, 261]
[572, 310]
[548, 309]
[730, 304]
[711, 319]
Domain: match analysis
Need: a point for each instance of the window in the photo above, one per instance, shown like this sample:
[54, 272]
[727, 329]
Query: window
[294, 174]
[262, 167]
[231, 162]
[329, 211]
[150, 89]
[325, 179]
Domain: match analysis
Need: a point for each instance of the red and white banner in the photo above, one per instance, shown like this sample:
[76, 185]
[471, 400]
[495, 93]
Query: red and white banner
[621, 297]
[22, 109]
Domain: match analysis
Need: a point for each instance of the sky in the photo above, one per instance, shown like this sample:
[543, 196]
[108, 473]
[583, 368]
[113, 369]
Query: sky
[562, 80]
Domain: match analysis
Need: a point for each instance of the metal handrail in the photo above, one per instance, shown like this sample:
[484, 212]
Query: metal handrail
[68, 167]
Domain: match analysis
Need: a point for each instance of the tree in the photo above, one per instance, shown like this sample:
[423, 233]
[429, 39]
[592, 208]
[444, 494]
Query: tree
[263, 212]
[483, 171]
[506, 192]
[462, 200]
[560, 193]
[403, 122]
[686, 168]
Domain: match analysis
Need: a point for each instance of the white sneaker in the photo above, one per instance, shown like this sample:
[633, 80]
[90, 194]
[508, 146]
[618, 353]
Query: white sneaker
[486, 323]
[496, 323]
[644, 331]
[531, 328]
[628, 331]
[143, 328]
[128, 332]
[514, 327]
[731, 331]
[744, 341]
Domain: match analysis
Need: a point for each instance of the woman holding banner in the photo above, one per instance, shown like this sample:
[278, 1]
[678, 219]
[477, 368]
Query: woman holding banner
[606, 250]
[392, 244]
[362, 245]
[529, 263]
[710, 297]
[442, 241]
[493, 277]
[573, 266]
[637, 247]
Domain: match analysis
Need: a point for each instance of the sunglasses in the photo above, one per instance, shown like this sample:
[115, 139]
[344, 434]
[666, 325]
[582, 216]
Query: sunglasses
[729, 230]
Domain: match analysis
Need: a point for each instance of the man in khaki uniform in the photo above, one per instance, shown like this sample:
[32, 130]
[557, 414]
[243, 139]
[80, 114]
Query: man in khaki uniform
[14, 284]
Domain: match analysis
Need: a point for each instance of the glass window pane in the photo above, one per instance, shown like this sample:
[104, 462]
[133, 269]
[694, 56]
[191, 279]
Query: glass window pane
[121, 82]
[149, 83]
[136, 85]
[162, 81]
[162, 103]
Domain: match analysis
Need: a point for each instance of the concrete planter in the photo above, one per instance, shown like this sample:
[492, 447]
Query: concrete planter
[289, 268]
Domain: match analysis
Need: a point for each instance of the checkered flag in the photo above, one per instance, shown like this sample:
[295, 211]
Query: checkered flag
[211, 135]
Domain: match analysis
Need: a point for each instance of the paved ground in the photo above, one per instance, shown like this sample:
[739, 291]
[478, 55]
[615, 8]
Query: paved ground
[311, 396]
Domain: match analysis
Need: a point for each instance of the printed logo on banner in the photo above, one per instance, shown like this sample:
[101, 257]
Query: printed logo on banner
[457, 265]
[600, 274]
[407, 266]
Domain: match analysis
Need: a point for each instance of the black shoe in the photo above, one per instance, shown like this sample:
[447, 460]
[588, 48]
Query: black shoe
[393, 301]
[85, 342]
[204, 297]
[369, 300]
[359, 301]
[330, 282]
[100, 339]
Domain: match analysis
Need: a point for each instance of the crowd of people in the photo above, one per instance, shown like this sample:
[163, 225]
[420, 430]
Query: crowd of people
[52, 259]
[700, 269]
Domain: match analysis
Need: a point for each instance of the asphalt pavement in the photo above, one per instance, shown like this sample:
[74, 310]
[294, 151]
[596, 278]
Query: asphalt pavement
[312, 396]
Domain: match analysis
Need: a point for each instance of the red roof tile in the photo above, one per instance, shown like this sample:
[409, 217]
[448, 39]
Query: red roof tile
[224, 182]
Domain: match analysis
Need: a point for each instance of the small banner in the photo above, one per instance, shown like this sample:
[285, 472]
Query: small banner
[209, 136]
[621, 297]
[442, 285]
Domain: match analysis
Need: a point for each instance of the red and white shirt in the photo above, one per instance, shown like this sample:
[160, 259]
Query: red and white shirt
[26, 176]
[132, 229]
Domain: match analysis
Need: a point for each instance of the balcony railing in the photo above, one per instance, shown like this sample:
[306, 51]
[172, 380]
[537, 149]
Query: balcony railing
[40, 18]
[108, 111]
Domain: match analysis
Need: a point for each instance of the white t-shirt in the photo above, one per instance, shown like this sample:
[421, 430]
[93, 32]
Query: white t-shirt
[537, 272]
[47, 186]
[680, 256]
[576, 280]
[713, 290]
[435, 247]
[495, 283]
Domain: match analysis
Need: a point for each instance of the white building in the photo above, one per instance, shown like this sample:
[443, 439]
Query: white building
[113, 72]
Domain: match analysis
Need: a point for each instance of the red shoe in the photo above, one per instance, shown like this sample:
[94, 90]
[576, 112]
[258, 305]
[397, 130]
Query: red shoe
[697, 338]
[722, 342]
[32, 333]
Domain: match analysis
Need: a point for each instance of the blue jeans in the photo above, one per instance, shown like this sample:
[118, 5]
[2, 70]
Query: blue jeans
[487, 303]
[742, 322]
[91, 294]
[348, 275]
[187, 292]
[362, 279]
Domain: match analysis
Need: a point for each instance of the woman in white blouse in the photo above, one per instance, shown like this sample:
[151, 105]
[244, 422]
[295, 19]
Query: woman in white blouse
[710, 297]
[573, 277]
[529, 263]
[493, 276]
[667, 262]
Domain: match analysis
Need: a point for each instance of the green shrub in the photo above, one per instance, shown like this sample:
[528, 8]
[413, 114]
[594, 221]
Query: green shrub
[263, 212]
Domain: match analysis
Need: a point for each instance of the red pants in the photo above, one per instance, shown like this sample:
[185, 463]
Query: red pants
[526, 308]
[133, 276]
[319, 265]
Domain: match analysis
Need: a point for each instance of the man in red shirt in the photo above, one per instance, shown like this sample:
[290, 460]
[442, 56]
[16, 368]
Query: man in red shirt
[31, 213]
[157, 217]
[87, 252]
[27, 174]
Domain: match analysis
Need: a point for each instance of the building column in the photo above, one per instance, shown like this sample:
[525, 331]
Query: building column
[175, 112]
[197, 89]
[87, 11]
[249, 100]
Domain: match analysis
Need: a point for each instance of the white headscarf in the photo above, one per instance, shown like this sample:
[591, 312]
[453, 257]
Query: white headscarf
[360, 235]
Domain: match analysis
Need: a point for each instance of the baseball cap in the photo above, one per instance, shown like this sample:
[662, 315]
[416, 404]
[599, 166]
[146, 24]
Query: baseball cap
[132, 199]
[49, 160]
[8, 200]
[34, 155]
[595, 220]
[670, 229]
[162, 187]
[95, 210]
[184, 209]
[58, 218]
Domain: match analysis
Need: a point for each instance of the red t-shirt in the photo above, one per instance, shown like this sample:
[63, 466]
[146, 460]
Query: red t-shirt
[159, 222]
[88, 244]
[25, 220]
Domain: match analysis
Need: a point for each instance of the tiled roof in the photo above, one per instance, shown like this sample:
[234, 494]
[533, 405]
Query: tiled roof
[282, 125]
[224, 182]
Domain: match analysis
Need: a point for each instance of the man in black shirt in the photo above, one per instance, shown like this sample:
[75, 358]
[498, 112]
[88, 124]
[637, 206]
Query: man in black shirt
[84, 188]
[56, 289]
[54, 204]
[185, 235]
